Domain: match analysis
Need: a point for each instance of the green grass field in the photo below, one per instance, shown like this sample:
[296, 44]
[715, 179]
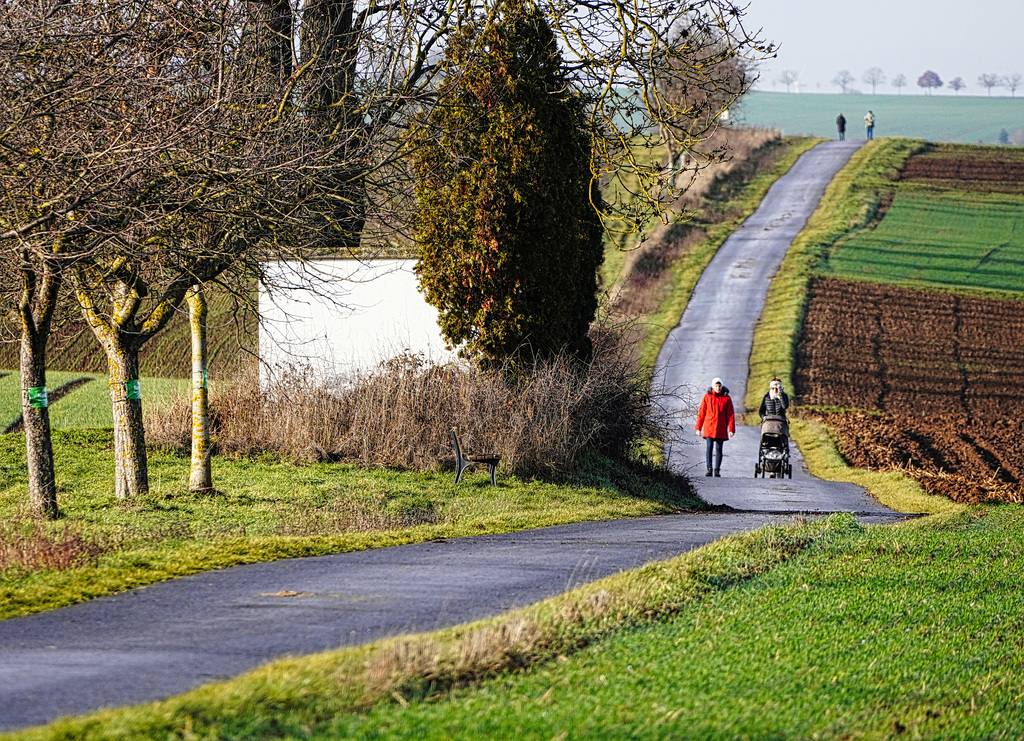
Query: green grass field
[945, 239]
[939, 118]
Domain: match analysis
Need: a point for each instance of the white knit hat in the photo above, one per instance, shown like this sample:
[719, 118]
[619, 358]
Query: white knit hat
[716, 380]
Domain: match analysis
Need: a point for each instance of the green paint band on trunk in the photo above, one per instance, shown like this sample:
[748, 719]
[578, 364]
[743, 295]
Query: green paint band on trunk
[37, 398]
[132, 388]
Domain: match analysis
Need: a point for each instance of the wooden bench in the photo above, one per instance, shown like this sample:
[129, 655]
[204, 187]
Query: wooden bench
[465, 460]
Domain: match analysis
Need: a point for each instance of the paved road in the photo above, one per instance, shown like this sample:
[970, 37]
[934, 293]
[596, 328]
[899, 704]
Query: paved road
[161, 640]
[714, 337]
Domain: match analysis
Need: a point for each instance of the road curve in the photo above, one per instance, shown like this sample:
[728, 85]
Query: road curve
[161, 640]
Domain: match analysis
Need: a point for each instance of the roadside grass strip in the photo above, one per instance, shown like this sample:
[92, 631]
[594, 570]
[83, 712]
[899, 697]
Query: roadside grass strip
[820, 629]
[949, 240]
[850, 202]
[910, 631]
[686, 271]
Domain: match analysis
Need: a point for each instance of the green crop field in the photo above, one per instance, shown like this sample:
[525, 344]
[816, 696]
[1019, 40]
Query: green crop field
[939, 118]
[940, 239]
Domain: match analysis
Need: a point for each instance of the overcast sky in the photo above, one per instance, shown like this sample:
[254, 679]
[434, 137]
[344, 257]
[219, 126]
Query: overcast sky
[818, 38]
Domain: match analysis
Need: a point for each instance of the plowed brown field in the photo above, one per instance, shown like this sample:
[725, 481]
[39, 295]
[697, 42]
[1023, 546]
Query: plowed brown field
[936, 381]
[985, 169]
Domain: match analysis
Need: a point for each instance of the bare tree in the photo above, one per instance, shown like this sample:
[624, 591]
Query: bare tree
[700, 85]
[874, 77]
[34, 279]
[46, 181]
[1012, 82]
[929, 81]
[788, 78]
[899, 82]
[168, 161]
[957, 84]
[989, 81]
[843, 79]
[155, 147]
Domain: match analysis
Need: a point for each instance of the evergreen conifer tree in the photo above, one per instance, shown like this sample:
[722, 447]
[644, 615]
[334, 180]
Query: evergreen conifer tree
[509, 233]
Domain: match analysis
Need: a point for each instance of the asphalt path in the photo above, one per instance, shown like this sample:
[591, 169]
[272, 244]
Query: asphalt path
[714, 337]
[161, 640]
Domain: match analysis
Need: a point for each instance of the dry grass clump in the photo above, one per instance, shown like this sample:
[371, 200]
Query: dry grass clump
[40, 547]
[400, 414]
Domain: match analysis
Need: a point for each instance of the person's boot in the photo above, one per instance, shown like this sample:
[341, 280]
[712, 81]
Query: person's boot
[708, 473]
[717, 472]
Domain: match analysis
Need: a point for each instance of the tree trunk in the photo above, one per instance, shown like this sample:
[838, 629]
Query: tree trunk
[35, 412]
[201, 475]
[42, 483]
[131, 467]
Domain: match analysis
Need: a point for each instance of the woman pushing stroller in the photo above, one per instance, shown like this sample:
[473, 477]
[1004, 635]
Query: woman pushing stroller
[773, 452]
[775, 402]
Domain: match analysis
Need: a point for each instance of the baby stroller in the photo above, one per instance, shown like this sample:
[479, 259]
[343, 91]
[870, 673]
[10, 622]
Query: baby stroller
[773, 453]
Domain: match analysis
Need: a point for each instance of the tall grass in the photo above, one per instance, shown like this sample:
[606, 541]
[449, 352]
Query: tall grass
[401, 414]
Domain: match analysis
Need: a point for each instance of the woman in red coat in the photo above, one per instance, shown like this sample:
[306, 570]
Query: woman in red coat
[716, 422]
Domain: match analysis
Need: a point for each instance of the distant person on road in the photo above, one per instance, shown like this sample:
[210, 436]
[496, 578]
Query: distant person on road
[716, 422]
[775, 402]
[841, 125]
[869, 125]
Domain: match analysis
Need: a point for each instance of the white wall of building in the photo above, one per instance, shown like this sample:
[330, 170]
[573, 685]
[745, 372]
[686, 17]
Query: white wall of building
[343, 316]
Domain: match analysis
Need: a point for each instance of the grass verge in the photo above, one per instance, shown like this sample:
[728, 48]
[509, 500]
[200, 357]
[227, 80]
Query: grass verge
[849, 204]
[290, 698]
[910, 631]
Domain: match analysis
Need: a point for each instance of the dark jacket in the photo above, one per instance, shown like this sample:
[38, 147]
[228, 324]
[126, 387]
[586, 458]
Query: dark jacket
[716, 418]
[772, 406]
[841, 122]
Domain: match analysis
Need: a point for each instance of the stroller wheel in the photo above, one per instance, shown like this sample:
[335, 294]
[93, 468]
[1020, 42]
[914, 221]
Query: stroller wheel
[757, 470]
[790, 471]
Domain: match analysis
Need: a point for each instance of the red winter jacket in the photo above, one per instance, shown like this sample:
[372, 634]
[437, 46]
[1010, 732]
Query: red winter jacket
[716, 418]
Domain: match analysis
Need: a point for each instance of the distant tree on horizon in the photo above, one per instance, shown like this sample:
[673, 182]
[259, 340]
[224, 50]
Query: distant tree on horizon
[874, 77]
[788, 78]
[989, 81]
[957, 84]
[843, 79]
[899, 82]
[929, 80]
[1012, 82]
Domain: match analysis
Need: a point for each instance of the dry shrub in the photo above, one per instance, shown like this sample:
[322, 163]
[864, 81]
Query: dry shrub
[48, 548]
[400, 414]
